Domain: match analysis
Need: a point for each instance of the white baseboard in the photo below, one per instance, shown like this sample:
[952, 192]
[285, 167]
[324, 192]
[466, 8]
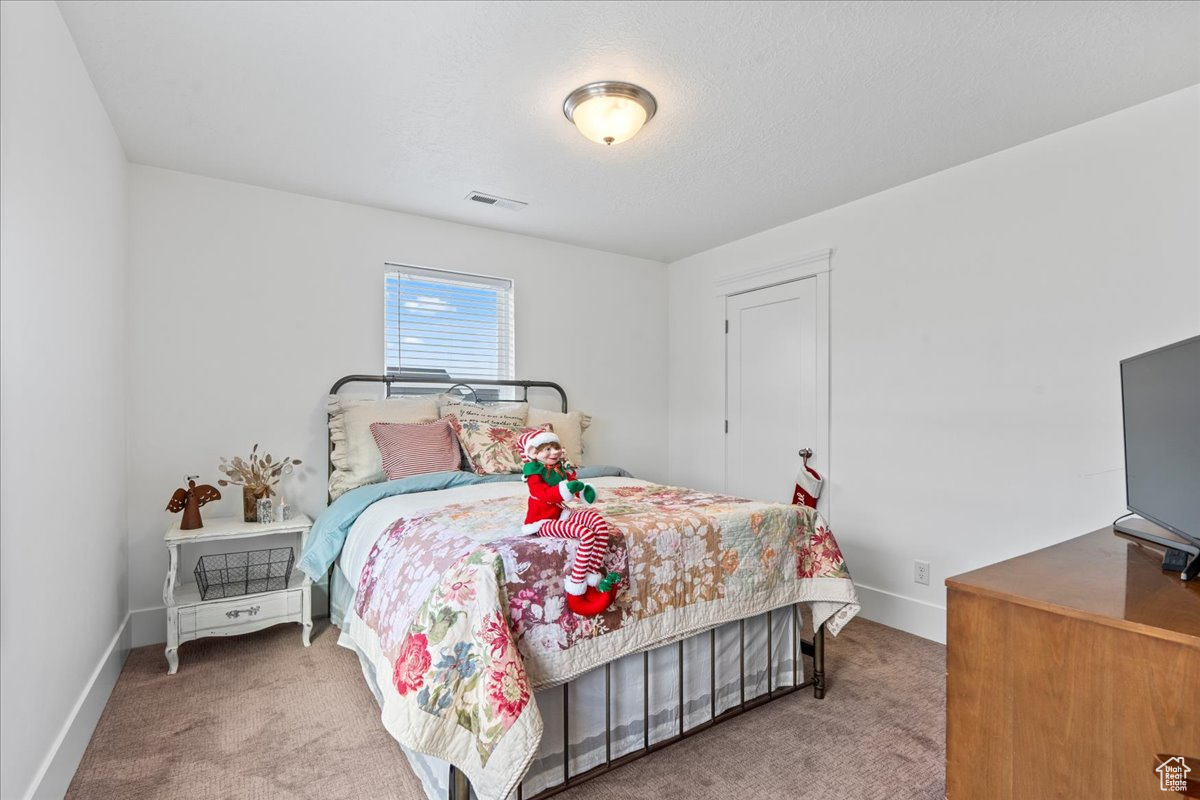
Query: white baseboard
[59, 766]
[904, 613]
[149, 626]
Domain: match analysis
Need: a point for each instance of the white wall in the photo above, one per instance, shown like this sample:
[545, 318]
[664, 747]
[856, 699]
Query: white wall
[978, 317]
[248, 303]
[63, 564]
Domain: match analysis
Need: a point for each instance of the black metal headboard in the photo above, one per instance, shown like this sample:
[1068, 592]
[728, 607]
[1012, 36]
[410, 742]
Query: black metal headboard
[433, 381]
[426, 382]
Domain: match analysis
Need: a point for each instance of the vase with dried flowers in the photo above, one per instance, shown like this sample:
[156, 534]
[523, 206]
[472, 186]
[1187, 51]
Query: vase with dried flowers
[257, 475]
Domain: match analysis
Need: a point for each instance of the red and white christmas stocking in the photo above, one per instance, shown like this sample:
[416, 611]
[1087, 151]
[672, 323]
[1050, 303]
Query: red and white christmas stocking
[808, 487]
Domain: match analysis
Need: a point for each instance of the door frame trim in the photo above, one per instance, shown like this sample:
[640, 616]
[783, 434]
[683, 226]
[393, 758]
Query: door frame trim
[794, 269]
[817, 264]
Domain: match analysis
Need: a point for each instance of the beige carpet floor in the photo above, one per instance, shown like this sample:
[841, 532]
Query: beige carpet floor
[259, 716]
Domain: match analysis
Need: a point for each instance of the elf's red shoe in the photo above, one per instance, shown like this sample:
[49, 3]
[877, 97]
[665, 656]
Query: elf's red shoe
[595, 600]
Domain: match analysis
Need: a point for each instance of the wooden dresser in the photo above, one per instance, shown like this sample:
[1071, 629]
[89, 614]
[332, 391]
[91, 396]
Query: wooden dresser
[1068, 671]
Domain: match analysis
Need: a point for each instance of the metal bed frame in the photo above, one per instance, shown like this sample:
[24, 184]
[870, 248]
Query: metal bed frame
[460, 787]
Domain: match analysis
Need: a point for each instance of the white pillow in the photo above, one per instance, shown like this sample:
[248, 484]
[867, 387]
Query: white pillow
[355, 457]
[569, 427]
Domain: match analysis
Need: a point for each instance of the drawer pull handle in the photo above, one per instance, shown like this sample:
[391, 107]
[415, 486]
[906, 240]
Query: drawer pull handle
[252, 610]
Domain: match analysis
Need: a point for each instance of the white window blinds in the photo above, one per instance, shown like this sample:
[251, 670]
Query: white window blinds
[447, 324]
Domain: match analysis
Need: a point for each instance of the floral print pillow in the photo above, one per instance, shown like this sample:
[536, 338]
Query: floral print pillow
[491, 449]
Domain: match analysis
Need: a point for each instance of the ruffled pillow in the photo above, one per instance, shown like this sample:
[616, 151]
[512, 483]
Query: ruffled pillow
[355, 457]
[414, 449]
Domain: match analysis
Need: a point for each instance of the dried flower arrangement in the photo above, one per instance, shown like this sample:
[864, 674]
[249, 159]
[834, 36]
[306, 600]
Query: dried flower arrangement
[259, 474]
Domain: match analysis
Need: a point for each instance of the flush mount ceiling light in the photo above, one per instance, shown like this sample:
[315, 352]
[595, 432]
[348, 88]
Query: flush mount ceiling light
[609, 112]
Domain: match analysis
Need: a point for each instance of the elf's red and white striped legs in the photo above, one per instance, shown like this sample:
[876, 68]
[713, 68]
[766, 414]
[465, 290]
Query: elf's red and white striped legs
[592, 532]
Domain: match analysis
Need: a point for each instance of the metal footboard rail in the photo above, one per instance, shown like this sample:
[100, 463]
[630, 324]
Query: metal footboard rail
[815, 649]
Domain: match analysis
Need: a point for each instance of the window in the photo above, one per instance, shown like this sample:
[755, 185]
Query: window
[447, 325]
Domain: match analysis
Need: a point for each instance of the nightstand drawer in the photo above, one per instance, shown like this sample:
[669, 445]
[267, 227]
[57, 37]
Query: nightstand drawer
[240, 612]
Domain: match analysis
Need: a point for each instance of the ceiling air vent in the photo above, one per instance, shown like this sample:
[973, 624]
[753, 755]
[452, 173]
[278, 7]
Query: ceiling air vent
[498, 202]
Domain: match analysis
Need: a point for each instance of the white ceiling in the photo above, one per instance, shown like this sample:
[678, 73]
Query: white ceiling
[768, 112]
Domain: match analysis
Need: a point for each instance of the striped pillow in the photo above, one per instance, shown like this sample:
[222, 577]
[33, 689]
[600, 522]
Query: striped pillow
[416, 448]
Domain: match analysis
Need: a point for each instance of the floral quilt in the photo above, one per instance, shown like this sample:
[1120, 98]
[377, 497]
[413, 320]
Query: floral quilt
[467, 618]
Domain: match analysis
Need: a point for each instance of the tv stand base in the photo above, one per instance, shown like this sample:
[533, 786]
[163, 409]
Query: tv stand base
[1182, 554]
[1190, 568]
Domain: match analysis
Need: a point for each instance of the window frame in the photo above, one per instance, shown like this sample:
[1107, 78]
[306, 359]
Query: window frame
[456, 281]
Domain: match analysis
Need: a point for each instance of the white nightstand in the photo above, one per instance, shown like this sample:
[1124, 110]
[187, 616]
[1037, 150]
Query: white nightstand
[189, 617]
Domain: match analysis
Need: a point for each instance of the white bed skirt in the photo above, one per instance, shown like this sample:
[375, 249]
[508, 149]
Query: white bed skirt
[585, 696]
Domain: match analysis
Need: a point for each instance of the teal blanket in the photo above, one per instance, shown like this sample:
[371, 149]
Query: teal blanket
[333, 525]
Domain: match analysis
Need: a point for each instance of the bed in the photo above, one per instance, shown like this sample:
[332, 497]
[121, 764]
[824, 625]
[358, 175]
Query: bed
[491, 686]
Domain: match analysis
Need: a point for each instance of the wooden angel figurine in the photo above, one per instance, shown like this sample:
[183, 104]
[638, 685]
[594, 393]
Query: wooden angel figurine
[189, 501]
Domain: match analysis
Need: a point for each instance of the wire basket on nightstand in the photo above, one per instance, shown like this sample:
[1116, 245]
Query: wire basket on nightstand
[251, 572]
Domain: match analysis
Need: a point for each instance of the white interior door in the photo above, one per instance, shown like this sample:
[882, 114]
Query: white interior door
[774, 384]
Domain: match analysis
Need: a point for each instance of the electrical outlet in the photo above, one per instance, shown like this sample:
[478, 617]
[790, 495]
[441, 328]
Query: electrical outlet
[921, 572]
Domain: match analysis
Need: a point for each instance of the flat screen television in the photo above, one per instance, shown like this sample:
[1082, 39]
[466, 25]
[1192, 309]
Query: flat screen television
[1160, 400]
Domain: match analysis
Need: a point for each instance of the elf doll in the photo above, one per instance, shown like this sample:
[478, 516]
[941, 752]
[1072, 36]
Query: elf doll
[552, 482]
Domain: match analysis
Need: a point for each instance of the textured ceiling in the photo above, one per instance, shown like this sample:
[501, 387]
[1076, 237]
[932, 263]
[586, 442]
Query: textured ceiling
[768, 112]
